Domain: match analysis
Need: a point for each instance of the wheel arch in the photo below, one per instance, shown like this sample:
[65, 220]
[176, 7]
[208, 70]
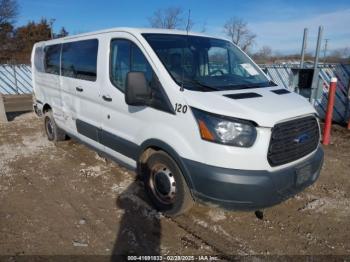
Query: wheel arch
[46, 108]
[151, 145]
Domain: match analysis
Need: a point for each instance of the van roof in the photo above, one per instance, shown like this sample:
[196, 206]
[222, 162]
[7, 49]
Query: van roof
[131, 30]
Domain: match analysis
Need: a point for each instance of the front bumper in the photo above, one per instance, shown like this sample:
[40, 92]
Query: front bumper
[251, 189]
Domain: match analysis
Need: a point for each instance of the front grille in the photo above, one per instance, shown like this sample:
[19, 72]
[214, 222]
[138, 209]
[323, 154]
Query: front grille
[292, 140]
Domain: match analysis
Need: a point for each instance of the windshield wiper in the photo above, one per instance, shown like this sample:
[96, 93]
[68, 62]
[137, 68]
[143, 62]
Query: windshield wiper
[198, 83]
[256, 85]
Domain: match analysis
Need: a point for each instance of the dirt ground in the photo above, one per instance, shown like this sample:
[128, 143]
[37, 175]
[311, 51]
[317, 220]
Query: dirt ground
[65, 199]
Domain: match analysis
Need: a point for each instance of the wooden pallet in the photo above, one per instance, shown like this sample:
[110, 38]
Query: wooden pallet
[14, 103]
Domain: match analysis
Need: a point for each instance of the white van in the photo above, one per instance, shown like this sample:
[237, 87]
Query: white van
[193, 114]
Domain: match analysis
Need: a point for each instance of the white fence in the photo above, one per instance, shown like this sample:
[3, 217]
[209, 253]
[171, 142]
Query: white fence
[15, 79]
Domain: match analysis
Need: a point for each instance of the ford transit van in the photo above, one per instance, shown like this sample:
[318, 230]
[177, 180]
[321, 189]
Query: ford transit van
[192, 114]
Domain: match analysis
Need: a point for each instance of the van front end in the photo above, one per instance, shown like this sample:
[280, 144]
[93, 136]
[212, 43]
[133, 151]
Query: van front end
[253, 143]
[256, 169]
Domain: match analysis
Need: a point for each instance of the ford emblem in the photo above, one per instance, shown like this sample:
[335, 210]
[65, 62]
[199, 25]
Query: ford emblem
[301, 139]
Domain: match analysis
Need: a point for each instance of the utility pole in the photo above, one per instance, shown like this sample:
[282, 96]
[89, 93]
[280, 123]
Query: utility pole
[303, 48]
[51, 26]
[325, 49]
[315, 77]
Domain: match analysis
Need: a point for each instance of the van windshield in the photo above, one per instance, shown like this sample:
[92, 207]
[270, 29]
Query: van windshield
[206, 64]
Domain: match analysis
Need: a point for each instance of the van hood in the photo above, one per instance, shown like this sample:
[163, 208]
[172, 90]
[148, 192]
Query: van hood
[265, 106]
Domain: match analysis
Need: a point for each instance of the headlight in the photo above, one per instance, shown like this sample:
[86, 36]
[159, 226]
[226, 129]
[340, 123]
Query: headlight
[225, 130]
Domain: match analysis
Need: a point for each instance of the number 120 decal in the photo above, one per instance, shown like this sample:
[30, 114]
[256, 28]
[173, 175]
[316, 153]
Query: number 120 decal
[181, 108]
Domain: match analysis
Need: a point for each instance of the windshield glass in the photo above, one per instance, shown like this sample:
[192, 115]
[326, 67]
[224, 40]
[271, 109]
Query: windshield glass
[206, 64]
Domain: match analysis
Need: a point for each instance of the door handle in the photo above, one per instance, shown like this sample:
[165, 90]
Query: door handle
[107, 98]
[79, 89]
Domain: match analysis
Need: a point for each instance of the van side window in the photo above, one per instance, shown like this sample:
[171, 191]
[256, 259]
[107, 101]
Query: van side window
[126, 57]
[52, 59]
[79, 59]
[39, 56]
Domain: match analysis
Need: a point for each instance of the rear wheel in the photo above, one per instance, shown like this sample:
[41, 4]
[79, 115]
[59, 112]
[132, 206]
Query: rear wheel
[166, 185]
[53, 132]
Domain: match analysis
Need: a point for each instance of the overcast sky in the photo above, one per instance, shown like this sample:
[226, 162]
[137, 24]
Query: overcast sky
[278, 24]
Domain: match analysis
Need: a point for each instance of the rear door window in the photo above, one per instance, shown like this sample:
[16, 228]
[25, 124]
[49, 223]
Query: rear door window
[39, 57]
[79, 59]
[52, 59]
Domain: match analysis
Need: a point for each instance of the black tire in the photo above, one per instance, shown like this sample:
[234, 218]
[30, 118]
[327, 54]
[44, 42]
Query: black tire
[166, 186]
[53, 132]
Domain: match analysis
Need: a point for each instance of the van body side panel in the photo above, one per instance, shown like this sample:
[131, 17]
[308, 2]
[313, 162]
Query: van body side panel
[49, 86]
[68, 105]
[46, 85]
[80, 82]
[86, 105]
[118, 144]
[88, 131]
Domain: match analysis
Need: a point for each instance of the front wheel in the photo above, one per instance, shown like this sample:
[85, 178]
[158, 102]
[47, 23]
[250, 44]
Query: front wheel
[166, 185]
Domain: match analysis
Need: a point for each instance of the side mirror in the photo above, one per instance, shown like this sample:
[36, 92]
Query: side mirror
[137, 91]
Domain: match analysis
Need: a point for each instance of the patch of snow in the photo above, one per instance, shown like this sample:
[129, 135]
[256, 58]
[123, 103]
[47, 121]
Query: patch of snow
[91, 171]
[216, 215]
[79, 244]
[122, 186]
[100, 158]
[334, 202]
[201, 222]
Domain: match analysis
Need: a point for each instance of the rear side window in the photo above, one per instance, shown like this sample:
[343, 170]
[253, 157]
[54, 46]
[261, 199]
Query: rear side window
[79, 59]
[39, 56]
[52, 59]
[126, 57]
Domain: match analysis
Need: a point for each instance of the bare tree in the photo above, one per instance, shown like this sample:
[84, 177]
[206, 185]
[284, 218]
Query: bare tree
[265, 51]
[8, 11]
[238, 31]
[264, 55]
[339, 55]
[189, 21]
[170, 18]
[341, 52]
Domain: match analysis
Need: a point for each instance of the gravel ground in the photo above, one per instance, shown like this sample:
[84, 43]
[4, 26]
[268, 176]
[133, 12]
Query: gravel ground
[65, 199]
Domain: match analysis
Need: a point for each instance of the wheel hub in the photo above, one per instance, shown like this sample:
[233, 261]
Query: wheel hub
[163, 185]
